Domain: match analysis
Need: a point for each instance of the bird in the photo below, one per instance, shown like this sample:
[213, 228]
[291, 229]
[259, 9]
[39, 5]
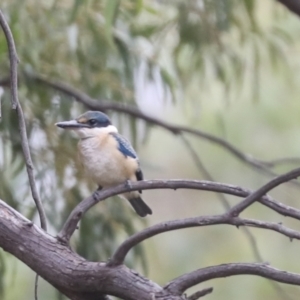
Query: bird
[107, 156]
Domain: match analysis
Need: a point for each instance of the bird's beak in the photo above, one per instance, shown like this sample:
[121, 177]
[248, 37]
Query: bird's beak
[73, 124]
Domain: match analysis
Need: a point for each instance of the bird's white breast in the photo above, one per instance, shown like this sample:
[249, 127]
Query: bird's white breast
[104, 163]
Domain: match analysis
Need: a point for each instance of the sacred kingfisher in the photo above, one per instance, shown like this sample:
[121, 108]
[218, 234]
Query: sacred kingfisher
[107, 156]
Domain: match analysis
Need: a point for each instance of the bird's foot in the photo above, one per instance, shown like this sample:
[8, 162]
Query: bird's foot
[128, 184]
[95, 194]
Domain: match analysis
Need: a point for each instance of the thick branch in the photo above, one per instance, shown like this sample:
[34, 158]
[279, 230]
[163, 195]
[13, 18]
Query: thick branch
[72, 275]
[22, 126]
[82, 280]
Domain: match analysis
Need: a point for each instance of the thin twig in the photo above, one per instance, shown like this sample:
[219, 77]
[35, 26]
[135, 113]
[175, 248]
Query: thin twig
[292, 5]
[120, 254]
[249, 235]
[201, 167]
[237, 209]
[283, 161]
[36, 285]
[13, 57]
[104, 105]
[22, 126]
[200, 294]
[182, 283]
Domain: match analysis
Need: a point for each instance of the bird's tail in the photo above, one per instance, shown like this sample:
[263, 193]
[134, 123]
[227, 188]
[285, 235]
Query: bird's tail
[141, 208]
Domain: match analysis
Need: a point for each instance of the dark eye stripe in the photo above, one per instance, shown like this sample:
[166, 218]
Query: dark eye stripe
[92, 121]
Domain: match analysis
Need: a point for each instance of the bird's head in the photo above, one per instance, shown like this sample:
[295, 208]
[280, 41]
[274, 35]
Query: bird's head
[89, 124]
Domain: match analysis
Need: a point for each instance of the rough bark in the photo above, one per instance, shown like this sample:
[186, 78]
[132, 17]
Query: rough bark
[80, 279]
[67, 271]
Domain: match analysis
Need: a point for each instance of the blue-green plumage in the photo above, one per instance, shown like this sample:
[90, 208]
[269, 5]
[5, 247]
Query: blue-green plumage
[126, 149]
[124, 146]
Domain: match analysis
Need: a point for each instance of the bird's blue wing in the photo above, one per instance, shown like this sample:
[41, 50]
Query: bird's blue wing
[124, 145]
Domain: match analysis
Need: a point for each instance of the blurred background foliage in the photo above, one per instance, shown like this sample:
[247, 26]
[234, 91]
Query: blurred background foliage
[228, 67]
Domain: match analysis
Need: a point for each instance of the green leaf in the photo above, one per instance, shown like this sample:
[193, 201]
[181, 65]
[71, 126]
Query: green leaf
[110, 14]
[169, 81]
[75, 9]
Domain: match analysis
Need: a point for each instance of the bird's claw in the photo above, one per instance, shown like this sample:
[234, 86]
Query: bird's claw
[128, 184]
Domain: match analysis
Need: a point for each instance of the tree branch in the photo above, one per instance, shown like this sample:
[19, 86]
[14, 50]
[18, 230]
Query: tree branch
[200, 294]
[22, 126]
[79, 279]
[201, 167]
[120, 254]
[250, 236]
[13, 58]
[283, 161]
[71, 274]
[292, 5]
[182, 283]
[77, 213]
[104, 105]
[237, 209]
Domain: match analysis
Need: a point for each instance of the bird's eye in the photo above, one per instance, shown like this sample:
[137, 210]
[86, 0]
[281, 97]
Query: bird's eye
[92, 122]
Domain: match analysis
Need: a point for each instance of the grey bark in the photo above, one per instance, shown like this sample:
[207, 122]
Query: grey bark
[71, 274]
